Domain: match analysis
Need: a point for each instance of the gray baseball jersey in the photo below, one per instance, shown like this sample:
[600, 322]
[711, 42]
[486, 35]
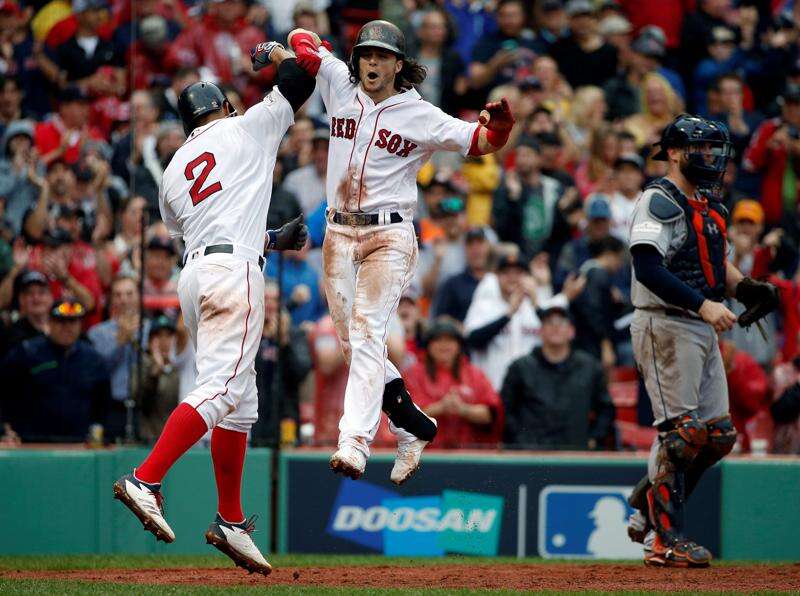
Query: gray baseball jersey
[677, 356]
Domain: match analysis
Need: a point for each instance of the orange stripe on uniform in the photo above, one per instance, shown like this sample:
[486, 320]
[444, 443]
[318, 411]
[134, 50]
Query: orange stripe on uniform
[722, 226]
[702, 246]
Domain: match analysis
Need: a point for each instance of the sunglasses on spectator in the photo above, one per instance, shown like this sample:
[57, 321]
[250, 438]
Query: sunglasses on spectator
[451, 206]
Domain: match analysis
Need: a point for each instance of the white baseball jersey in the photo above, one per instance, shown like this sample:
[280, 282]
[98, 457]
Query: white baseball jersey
[217, 188]
[376, 151]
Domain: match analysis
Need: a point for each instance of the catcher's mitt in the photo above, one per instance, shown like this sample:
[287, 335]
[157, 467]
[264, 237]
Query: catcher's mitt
[759, 298]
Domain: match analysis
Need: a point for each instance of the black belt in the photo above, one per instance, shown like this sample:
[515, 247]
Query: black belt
[363, 219]
[226, 249]
[679, 312]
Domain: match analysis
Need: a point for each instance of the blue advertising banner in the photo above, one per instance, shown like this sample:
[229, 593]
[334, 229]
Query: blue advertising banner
[477, 504]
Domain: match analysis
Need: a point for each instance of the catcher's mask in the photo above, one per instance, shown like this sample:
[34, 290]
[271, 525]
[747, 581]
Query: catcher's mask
[706, 145]
[200, 99]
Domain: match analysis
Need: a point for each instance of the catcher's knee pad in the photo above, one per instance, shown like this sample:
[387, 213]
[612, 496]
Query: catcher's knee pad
[721, 436]
[682, 438]
[404, 414]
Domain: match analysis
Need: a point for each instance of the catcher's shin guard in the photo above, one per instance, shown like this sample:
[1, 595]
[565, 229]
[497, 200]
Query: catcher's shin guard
[680, 441]
[404, 414]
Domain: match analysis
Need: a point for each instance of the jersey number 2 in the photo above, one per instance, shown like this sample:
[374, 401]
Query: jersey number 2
[198, 193]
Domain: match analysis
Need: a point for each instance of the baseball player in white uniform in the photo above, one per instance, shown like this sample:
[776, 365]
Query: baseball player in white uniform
[216, 194]
[382, 132]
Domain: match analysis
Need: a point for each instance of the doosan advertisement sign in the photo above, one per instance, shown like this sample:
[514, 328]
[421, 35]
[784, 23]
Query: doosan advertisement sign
[383, 521]
[515, 505]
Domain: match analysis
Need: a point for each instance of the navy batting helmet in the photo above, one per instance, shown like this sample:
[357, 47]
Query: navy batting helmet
[707, 145]
[200, 99]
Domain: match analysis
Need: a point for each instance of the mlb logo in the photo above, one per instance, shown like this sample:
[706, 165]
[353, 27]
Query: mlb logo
[586, 522]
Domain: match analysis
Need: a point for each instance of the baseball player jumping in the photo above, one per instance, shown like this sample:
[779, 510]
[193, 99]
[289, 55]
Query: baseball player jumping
[680, 278]
[216, 194]
[382, 132]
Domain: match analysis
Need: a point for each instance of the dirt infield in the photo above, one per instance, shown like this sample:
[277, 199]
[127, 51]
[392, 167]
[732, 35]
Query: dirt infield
[516, 577]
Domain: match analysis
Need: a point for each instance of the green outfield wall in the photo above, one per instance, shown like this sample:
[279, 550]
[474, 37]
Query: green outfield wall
[61, 501]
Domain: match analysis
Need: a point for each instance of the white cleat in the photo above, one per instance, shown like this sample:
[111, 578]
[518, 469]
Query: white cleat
[406, 462]
[234, 540]
[145, 501]
[349, 461]
[638, 526]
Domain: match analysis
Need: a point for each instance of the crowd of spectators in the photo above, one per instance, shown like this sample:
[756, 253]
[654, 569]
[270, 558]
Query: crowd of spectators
[514, 331]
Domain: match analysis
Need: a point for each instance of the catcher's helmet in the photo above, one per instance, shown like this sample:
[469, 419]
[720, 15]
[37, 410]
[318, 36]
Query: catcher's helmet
[707, 145]
[379, 34]
[198, 100]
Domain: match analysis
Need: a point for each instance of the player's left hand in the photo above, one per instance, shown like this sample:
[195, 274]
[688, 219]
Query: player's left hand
[290, 236]
[759, 297]
[497, 116]
[259, 55]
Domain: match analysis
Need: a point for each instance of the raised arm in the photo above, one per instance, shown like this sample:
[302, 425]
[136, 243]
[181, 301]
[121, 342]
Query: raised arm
[294, 83]
[496, 122]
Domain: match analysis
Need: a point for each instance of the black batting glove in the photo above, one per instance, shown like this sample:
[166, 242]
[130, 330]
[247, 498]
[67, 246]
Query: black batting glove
[290, 236]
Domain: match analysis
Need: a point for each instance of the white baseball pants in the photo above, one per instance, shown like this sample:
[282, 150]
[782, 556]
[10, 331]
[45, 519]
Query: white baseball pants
[222, 300]
[367, 268]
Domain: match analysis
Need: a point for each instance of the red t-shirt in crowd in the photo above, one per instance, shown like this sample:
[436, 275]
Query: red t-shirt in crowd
[48, 138]
[474, 388]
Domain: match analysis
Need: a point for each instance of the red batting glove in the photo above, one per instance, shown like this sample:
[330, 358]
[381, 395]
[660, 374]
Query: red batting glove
[306, 51]
[496, 117]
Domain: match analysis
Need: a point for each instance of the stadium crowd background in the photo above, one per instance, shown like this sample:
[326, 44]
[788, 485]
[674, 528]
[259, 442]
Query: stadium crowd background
[93, 351]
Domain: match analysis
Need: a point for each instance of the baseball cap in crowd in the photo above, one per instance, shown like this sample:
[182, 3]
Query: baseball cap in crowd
[783, 20]
[511, 260]
[451, 205]
[84, 5]
[748, 210]
[30, 278]
[443, 327]
[67, 309]
[153, 30]
[530, 142]
[614, 25]
[9, 6]
[721, 34]
[475, 234]
[649, 44]
[160, 243]
[576, 8]
[530, 83]
[321, 134]
[633, 159]
[548, 139]
[551, 5]
[790, 93]
[83, 172]
[553, 309]
[411, 294]
[598, 207]
[56, 237]
[72, 93]
[162, 322]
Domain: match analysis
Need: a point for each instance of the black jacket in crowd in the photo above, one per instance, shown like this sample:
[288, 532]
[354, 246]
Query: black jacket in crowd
[295, 364]
[52, 394]
[556, 406]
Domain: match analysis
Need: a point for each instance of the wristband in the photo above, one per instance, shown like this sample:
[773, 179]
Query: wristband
[303, 39]
[272, 239]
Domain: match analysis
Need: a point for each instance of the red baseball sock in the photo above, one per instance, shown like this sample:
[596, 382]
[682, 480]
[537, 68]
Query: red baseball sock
[183, 429]
[227, 453]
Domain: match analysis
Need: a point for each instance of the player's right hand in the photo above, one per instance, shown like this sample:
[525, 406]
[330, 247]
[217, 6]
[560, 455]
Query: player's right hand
[717, 315]
[306, 51]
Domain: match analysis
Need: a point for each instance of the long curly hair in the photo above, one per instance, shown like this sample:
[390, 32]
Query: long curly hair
[412, 73]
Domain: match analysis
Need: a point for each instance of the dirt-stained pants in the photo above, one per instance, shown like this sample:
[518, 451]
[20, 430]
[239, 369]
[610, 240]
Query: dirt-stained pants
[367, 268]
[222, 301]
[682, 368]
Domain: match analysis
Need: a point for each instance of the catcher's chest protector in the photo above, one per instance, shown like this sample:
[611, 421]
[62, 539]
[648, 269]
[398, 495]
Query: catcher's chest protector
[700, 261]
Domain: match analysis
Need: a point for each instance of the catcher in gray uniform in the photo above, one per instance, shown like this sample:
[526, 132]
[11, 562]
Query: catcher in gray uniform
[680, 278]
